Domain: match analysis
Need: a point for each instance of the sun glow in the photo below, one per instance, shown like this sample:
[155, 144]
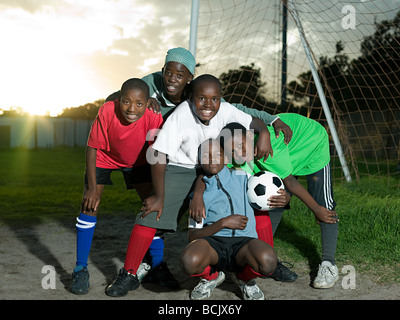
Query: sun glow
[46, 57]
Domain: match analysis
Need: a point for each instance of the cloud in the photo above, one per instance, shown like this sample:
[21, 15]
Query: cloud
[145, 51]
[30, 6]
[79, 51]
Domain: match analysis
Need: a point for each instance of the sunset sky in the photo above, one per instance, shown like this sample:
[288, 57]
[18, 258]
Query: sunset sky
[58, 54]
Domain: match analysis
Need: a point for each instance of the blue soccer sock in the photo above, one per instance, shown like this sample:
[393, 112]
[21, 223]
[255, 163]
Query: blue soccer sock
[157, 251]
[85, 230]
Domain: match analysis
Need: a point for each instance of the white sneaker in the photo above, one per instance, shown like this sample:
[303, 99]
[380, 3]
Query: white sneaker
[206, 287]
[327, 276]
[250, 290]
[143, 271]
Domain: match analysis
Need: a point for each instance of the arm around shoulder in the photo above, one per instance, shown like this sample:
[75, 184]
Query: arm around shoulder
[263, 115]
[263, 146]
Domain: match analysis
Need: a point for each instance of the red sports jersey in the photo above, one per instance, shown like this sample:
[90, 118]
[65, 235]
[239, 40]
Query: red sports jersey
[118, 143]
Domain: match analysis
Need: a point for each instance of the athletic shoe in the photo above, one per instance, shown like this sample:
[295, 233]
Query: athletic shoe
[162, 276]
[282, 272]
[327, 276]
[80, 280]
[125, 282]
[206, 287]
[143, 271]
[250, 290]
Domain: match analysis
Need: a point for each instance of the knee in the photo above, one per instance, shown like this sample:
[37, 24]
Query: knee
[267, 262]
[190, 263]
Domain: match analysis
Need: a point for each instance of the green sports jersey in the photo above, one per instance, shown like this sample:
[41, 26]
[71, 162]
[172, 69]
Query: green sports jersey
[306, 153]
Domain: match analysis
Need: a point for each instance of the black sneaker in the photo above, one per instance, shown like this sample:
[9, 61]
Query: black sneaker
[162, 276]
[282, 272]
[80, 281]
[125, 282]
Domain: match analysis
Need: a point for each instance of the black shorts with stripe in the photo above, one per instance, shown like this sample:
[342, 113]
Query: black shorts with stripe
[320, 187]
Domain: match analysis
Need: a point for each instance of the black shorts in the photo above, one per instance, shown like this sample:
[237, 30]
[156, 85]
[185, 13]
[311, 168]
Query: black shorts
[227, 249]
[320, 187]
[132, 176]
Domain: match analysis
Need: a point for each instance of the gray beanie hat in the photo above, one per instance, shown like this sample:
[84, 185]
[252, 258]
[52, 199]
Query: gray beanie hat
[181, 55]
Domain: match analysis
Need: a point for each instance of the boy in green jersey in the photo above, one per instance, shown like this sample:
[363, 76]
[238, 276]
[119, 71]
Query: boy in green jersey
[307, 154]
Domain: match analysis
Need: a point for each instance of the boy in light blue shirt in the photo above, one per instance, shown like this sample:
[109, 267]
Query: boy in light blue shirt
[226, 240]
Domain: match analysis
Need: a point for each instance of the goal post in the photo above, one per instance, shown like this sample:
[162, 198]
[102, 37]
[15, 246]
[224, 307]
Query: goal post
[337, 62]
[194, 19]
[321, 93]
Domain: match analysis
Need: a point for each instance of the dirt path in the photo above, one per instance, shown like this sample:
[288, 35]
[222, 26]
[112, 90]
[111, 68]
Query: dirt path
[25, 253]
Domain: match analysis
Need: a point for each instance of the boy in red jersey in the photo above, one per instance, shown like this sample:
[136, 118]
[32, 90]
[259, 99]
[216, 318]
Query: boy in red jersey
[117, 142]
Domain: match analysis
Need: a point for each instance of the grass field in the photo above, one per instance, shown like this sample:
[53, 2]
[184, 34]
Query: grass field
[41, 185]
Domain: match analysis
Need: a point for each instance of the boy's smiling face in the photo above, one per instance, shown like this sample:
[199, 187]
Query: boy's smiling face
[133, 104]
[175, 76]
[206, 98]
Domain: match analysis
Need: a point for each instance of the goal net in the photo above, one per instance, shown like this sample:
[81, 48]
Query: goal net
[256, 49]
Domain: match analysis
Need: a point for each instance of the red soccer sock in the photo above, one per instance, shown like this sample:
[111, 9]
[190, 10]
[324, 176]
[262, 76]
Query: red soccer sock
[264, 227]
[206, 274]
[248, 273]
[139, 243]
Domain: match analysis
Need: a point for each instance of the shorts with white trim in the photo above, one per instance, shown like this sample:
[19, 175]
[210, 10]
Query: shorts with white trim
[320, 187]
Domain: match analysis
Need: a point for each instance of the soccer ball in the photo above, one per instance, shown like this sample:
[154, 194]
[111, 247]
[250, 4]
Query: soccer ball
[260, 187]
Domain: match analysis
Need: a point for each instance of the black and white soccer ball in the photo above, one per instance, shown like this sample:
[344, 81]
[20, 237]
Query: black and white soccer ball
[260, 187]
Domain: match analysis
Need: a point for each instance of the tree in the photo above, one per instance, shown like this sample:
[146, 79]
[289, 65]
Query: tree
[377, 69]
[365, 83]
[368, 85]
[244, 85]
[87, 111]
[13, 112]
[335, 70]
